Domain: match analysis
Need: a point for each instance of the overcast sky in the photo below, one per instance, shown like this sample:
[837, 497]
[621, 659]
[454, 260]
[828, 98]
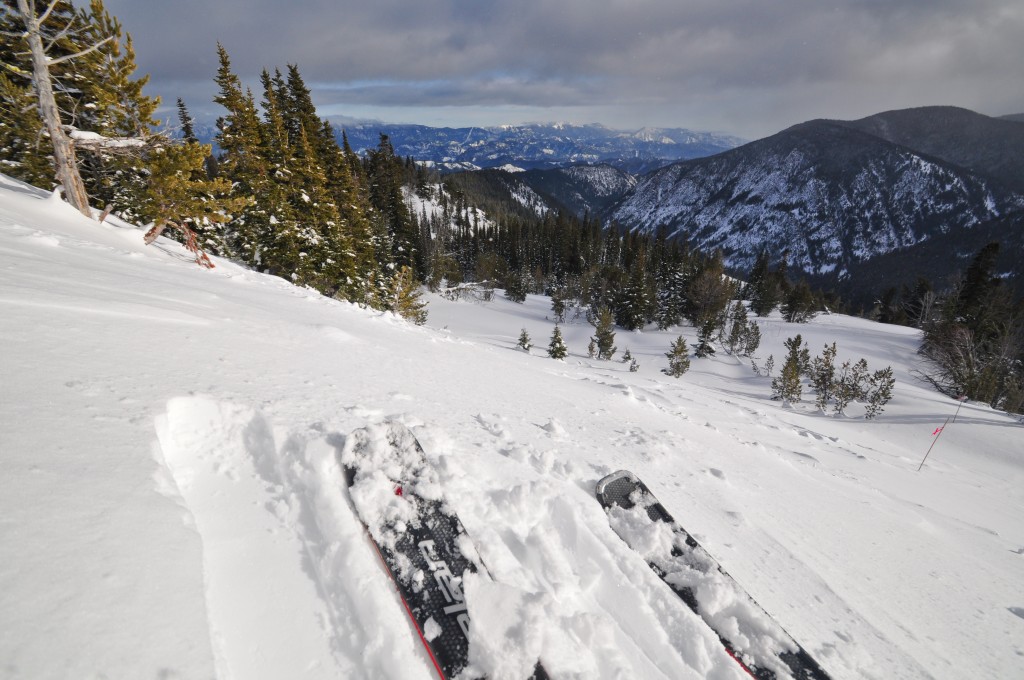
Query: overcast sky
[747, 67]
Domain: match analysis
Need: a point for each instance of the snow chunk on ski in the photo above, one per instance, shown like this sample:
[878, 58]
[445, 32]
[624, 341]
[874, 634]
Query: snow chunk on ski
[748, 632]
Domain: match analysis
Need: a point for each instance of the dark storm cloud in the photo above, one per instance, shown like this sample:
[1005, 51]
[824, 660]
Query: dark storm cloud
[751, 66]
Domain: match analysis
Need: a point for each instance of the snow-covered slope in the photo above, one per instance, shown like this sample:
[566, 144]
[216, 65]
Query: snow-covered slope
[171, 503]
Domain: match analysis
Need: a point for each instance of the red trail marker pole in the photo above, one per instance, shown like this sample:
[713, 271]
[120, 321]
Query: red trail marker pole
[936, 434]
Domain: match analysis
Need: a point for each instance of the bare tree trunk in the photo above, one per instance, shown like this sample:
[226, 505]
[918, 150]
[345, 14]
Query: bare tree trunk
[63, 150]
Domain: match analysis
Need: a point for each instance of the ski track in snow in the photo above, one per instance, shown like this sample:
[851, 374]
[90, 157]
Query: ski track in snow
[259, 508]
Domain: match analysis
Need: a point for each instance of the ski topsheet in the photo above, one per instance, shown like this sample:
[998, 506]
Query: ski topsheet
[749, 634]
[397, 495]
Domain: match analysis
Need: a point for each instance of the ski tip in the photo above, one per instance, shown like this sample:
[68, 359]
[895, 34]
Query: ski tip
[625, 475]
[615, 489]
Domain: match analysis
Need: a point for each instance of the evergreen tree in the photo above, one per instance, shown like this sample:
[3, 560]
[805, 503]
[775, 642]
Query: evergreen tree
[678, 358]
[975, 295]
[259, 237]
[708, 298]
[559, 299]
[178, 191]
[23, 152]
[800, 305]
[604, 335]
[69, 68]
[976, 343]
[737, 328]
[556, 348]
[751, 339]
[188, 131]
[524, 340]
[764, 289]
[516, 286]
[633, 304]
[385, 173]
[671, 289]
[405, 298]
[787, 387]
[880, 392]
[823, 376]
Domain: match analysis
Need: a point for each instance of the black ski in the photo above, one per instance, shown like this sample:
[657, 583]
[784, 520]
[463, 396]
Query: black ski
[417, 537]
[629, 504]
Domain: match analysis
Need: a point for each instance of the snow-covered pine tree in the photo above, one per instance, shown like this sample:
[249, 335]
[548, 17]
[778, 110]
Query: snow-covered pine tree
[384, 178]
[261, 233]
[524, 340]
[633, 303]
[557, 348]
[678, 358]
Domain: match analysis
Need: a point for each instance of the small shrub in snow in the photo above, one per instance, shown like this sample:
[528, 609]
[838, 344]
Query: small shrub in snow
[879, 392]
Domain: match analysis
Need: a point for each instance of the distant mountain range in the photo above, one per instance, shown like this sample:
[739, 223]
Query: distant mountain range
[834, 195]
[529, 147]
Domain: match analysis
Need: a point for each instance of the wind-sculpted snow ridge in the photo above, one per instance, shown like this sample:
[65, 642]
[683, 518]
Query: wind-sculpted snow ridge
[829, 195]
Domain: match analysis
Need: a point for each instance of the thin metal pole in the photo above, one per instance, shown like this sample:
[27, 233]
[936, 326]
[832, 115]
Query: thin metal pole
[961, 400]
[937, 435]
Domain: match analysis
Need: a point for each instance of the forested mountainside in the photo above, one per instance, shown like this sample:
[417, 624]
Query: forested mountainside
[828, 195]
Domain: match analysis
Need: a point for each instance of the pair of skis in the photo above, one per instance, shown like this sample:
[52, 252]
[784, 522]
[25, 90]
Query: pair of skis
[422, 544]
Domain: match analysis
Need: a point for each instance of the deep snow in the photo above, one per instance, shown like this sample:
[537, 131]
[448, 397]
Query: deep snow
[171, 501]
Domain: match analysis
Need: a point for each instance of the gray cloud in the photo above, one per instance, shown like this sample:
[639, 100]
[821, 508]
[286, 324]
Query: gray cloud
[745, 66]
